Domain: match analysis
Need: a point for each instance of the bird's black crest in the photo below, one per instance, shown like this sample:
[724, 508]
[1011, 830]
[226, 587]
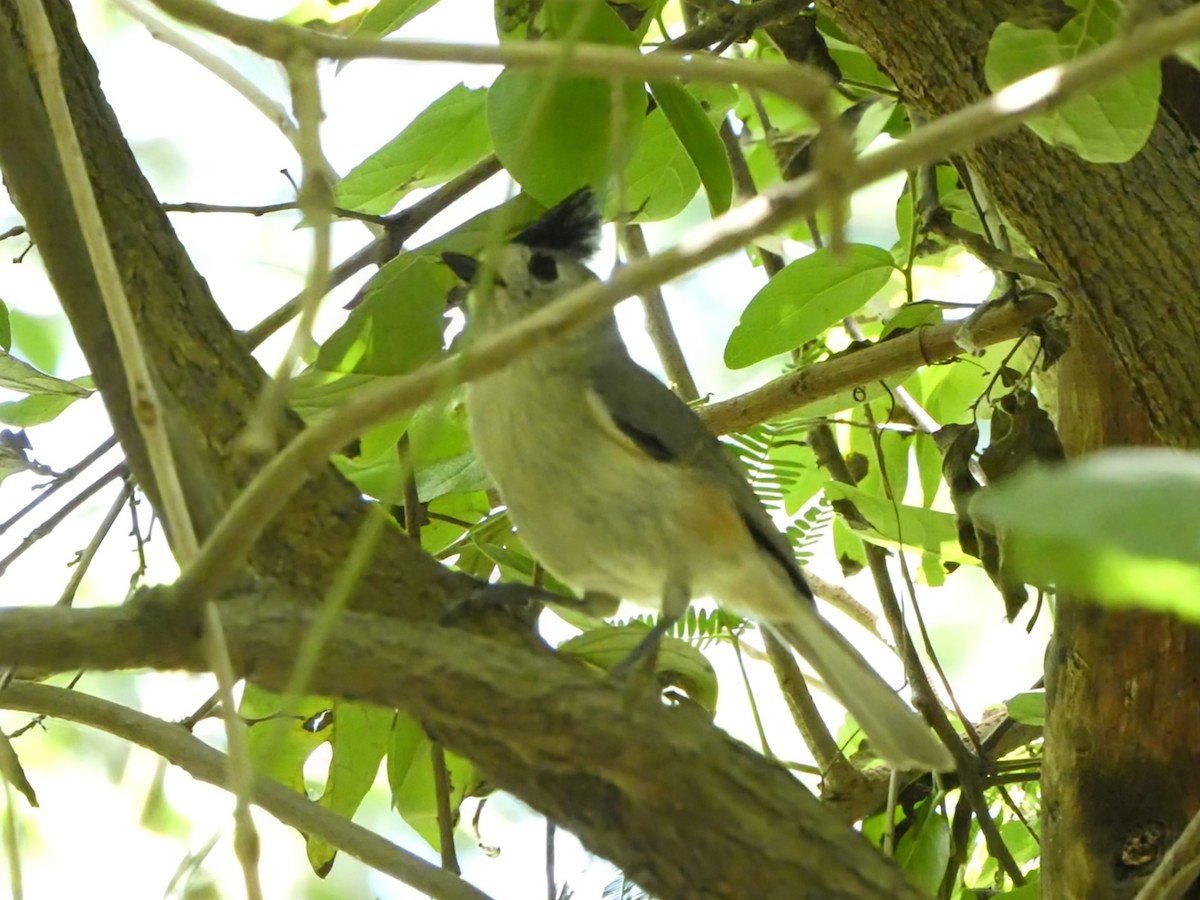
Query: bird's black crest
[572, 227]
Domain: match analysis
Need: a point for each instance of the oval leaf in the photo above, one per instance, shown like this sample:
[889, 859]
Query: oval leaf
[18, 375]
[448, 137]
[555, 133]
[608, 645]
[804, 299]
[1119, 526]
[387, 15]
[1029, 707]
[1107, 125]
[698, 136]
[398, 325]
[661, 179]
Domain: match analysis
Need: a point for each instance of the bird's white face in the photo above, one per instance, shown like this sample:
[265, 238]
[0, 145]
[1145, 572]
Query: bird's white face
[525, 280]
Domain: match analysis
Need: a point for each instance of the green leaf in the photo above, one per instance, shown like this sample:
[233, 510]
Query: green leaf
[608, 645]
[39, 408]
[278, 746]
[894, 444]
[410, 776]
[715, 99]
[398, 325]
[448, 137]
[1030, 890]
[446, 512]
[1020, 842]
[388, 15]
[440, 453]
[358, 739]
[14, 455]
[1117, 526]
[910, 317]
[929, 465]
[18, 375]
[698, 136]
[554, 134]
[804, 299]
[12, 771]
[855, 65]
[661, 178]
[951, 389]
[1107, 125]
[924, 850]
[1029, 707]
[40, 339]
[5, 329]
[926, 529]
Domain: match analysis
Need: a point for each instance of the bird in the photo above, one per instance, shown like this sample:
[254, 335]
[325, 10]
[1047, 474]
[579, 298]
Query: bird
[618, 488]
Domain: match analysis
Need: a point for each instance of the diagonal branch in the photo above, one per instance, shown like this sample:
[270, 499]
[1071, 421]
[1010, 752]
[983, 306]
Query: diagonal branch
[887, 359]
[176, 745]
[725, 823]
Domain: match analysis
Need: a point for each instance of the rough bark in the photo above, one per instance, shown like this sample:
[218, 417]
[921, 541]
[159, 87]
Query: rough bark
[1120, 778]
[662, 793]
[685, 809]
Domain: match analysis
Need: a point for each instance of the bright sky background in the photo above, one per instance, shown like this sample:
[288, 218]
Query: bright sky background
[198, 141]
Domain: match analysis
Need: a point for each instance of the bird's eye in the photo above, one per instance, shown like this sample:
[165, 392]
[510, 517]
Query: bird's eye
[543, 267]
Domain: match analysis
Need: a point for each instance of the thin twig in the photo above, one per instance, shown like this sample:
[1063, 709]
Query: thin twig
[400, 228]
[807, 87]
[753, 703]
[265, 209]
[253, 94]
[333, 605]
[241, 770]
[316, 203]
[830, 457]
[204, 763]
[120, 470]
[837, 596]
[148, 411]
[658, 325]
[89, 552]
[61, 481]
[817, 737]
[738, 22]
[941, 224]
[441, 787]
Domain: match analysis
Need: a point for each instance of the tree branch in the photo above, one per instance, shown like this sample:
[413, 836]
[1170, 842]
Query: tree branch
[675, 802]
[858, 368]
[803, 85]
[177, 746]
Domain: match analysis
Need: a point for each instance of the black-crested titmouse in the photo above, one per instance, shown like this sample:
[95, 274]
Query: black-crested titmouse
[618, 488]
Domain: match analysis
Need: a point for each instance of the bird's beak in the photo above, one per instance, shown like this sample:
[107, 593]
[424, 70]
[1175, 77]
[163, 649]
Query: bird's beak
[465, 267]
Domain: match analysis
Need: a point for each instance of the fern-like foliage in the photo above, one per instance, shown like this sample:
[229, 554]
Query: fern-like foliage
[621, 888]
[773, 472]
[807, 528]
[699, 627]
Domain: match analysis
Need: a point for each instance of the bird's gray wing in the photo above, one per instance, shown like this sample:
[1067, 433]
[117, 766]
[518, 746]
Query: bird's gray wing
[668, 430]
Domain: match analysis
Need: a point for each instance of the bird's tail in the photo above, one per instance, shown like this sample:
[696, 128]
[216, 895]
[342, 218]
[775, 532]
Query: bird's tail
[898, 735]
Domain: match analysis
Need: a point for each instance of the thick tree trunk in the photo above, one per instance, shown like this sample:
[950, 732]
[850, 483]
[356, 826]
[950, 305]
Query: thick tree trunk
[1120, 777]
